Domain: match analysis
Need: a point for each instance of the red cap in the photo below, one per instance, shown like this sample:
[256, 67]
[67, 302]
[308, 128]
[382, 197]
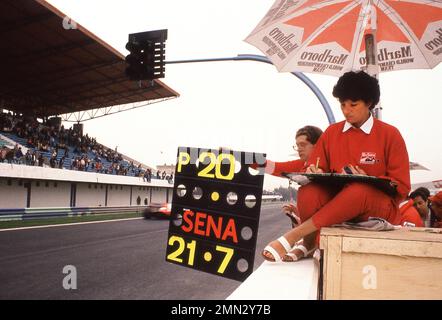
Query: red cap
[437, 198]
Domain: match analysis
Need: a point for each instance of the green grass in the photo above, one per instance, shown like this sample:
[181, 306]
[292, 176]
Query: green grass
[64, 220]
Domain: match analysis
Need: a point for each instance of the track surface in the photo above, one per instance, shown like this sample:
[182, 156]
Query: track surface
[114, 260]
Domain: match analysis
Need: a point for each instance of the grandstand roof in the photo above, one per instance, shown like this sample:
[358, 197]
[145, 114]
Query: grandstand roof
[47, 69]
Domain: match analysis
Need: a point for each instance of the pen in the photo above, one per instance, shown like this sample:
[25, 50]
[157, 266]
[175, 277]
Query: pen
[317, 163]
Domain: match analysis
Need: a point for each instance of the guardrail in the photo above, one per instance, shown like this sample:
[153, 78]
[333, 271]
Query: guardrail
[43, 213]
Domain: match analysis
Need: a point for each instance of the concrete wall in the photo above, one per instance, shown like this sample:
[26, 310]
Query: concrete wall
[90, 195]
[14, 195]
[158, 195]
[118, 196]
[143, 193]
[45, 193]
[50, 193]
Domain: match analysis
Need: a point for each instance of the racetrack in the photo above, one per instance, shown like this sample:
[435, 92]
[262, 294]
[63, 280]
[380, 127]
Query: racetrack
[114, 260]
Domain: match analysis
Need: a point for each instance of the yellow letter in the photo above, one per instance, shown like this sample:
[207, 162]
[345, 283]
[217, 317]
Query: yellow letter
[183, 159]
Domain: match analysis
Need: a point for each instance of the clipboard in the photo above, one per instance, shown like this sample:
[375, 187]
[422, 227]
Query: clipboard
[338, 179]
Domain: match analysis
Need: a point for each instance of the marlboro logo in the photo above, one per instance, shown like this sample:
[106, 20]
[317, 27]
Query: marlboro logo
[368, 158]
[386, 55]
[325, 56]
[436, 42]
[285, 41]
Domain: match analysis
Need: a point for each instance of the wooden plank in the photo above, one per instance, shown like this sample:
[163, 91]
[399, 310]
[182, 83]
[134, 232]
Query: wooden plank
[324, 273]
[332, 290]
[323, 276]
[323, 241]
[391, 277]
[407, 234]
[393, 247]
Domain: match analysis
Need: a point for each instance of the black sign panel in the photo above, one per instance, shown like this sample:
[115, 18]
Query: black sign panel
[215, 211]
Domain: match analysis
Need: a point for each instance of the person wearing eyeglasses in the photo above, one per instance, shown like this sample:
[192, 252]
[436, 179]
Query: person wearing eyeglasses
[305, 140]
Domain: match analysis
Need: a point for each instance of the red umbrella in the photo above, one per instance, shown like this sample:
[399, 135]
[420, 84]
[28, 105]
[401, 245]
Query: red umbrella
[327, 36]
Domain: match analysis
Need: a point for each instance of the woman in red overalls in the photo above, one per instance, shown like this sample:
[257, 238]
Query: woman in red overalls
[366, 146]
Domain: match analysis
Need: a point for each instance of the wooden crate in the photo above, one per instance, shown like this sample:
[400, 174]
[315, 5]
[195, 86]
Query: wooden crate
[399, 264]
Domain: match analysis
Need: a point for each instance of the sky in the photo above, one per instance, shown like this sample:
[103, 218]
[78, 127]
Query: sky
[243, 105]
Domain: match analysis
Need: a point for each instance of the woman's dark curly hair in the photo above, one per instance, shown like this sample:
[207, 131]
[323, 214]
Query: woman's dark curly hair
[357, 86]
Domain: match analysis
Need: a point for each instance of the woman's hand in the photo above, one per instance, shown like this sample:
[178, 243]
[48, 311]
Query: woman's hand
[354, 170]
[312, 169]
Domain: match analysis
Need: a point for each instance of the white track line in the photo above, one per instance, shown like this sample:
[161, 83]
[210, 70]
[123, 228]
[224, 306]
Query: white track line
[67, 224]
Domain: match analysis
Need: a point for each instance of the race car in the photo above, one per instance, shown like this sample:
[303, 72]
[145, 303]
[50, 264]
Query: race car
[158, 210]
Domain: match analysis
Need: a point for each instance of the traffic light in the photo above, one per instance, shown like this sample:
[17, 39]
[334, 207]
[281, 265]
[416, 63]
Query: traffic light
[147, 52]
[134, 70]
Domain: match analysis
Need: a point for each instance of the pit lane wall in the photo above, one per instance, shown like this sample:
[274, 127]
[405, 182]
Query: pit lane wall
[39, 187]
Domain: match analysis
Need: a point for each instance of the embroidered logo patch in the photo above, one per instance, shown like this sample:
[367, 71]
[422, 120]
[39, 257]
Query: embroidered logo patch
[368, 158]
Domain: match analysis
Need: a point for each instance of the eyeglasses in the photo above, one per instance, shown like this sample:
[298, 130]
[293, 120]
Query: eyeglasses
[301, 146]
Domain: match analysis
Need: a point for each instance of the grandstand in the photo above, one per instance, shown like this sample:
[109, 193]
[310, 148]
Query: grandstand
[64, 149]
[51, 73]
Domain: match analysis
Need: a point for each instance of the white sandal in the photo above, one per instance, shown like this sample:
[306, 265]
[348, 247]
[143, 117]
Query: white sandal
[294, 257]
[276, 257]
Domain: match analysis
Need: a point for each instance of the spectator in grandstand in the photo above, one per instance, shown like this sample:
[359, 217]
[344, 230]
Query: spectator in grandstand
[34, 158]
[10, 155]
[5, 122]
[44, 146]
[74, 163]
[40, 160]
[30, 142]
[98, 166]
[18, 155]
[28, 158]
[146, 176]
[82, 164]
[3, 153]
[51, 141]
[436, 208]
[53, 162]
[349, 144]
[61, 162]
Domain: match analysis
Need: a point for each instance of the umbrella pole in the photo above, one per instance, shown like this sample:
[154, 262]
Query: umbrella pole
[372, 67]
[371, 56]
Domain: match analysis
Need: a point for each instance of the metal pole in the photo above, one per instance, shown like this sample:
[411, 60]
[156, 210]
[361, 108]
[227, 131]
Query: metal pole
[371, 53]
[299, 75]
